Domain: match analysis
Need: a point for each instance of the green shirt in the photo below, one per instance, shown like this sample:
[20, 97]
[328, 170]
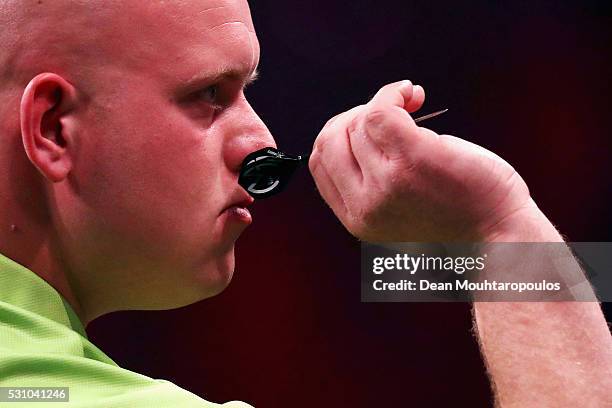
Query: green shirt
[43, 344]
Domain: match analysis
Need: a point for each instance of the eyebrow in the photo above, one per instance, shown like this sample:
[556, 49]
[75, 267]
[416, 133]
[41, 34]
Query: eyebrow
[208, 78]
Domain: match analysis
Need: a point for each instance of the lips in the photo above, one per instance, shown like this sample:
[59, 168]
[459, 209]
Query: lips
[237, 210]
[241, 202]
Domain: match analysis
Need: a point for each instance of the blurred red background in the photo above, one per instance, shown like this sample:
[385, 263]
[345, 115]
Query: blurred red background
[528, 80]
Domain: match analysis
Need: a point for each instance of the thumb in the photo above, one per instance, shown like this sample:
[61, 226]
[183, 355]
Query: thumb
[391, 131]
[402, 94]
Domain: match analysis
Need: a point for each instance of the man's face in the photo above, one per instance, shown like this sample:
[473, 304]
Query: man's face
[160, 144]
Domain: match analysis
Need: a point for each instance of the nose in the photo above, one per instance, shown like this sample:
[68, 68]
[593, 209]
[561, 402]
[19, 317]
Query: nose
[248, 134]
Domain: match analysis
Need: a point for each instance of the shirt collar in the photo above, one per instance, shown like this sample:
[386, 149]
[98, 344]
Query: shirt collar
[21, 287]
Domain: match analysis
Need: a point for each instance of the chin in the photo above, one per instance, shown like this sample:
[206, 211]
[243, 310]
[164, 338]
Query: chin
[220, 283]
[194, 283]
[216, 275]
[203, 284]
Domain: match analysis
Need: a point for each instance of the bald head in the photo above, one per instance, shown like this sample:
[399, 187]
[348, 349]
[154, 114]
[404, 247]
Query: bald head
[81, 38]
[59, 36]
[124, 126]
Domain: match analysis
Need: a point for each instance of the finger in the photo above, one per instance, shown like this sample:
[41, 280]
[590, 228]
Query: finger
[367, 153]
[400, 96]
[392, 131]
[332, 120]
[337, 157]
[326, 187]
[418, 97]
[426, 132]
[344, 117]
[395, 94]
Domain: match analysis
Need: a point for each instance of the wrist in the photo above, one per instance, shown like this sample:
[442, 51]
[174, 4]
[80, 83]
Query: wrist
[527, 224]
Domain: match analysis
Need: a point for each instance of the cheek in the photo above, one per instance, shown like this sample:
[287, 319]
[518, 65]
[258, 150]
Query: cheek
[156, 175]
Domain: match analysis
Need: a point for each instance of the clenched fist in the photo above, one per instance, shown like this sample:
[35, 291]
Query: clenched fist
[388, 179]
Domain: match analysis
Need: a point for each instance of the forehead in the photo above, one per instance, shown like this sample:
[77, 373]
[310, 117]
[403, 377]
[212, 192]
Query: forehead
[177, 40]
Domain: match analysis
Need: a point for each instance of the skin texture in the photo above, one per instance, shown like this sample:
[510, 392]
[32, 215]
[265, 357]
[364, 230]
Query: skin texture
[556, 354]
[114, 175]
[115, 168]
[407, 183]
[387, 179]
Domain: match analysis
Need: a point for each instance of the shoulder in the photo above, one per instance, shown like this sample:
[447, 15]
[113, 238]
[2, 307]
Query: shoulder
[96, 384]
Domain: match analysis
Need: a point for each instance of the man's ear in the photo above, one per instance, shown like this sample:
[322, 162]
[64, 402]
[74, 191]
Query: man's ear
[45, 125]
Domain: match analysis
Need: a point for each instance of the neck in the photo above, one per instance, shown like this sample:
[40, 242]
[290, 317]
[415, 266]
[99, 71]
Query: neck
[26, 232]
[29, 246]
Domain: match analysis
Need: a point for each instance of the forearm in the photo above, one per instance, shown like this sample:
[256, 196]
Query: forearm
[544, 353]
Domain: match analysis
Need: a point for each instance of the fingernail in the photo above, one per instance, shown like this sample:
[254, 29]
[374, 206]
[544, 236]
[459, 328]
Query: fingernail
[406, 84]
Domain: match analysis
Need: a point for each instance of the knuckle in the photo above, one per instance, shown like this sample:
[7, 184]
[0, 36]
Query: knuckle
[353, 125]
[514, 182]
[426, 132]
[375, 117]
[390, 86]
[393, 86]
[321, 142]
[332, 120]
[314, 161]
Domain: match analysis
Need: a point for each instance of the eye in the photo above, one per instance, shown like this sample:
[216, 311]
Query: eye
[209, 94]
[209, 99]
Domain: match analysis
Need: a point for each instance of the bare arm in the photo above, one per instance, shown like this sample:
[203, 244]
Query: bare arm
[544, 354]
[388, 179]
